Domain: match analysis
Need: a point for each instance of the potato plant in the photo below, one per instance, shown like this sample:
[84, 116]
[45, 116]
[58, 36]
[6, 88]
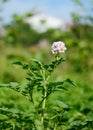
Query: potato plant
[45, 115]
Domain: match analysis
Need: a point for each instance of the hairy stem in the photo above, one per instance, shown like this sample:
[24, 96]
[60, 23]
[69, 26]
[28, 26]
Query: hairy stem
[43, 106]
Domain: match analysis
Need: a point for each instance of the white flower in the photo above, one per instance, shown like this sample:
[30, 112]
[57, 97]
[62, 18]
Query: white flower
[58, 47]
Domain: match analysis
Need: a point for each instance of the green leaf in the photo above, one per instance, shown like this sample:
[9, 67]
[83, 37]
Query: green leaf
[60, 88]
[16, 87]
[61, 103]
[54, 64]
[25, 66]
[7, 111]
[56, 85]
[40, 65]
[10, 85]
[18, 63]
[70, 81]
[38, 124]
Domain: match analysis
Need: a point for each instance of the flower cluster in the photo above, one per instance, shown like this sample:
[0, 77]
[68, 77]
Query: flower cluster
[58, 47]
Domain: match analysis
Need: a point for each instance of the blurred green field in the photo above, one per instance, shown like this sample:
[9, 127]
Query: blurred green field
[78, 66]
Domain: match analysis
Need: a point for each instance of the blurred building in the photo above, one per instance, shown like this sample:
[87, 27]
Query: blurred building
[42, 23]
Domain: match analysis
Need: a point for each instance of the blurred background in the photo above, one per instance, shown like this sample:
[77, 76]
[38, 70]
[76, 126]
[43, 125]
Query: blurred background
[28, 29]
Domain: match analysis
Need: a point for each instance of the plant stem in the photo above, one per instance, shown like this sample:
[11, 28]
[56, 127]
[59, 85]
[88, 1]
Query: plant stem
[55, 127]
[43, 106]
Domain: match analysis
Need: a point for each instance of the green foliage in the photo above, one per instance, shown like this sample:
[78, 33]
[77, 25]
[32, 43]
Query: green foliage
[78, 2]
[38, 77]
[21, 105]
[19, 32]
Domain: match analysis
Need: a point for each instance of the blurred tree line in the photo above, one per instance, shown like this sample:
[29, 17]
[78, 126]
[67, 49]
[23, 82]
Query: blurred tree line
[18, 32]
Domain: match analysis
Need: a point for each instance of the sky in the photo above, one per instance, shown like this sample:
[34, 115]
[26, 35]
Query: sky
[58, 8]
